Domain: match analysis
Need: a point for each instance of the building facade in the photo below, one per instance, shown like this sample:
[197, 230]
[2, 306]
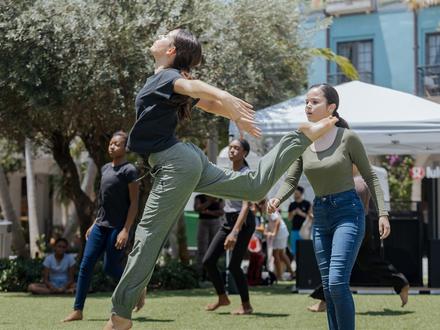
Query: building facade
[390, 44]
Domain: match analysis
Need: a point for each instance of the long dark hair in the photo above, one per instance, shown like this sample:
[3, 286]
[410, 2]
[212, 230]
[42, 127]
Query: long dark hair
[188, 55]
[246, 147]
[332, 97]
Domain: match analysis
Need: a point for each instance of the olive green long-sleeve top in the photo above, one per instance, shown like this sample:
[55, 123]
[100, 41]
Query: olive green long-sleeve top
[331, 171]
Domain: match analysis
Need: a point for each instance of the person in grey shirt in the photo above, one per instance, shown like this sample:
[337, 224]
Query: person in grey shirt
[234, 235]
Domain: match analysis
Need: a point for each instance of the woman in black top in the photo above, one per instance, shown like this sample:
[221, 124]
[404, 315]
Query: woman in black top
[180, 168]
[117, 208]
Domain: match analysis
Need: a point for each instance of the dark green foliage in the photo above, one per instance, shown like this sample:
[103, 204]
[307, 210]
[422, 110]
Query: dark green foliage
[17, 274]
[174, 276]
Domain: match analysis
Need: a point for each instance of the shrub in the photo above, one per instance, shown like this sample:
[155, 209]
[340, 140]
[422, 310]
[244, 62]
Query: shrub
[17, 274]
[174, 276]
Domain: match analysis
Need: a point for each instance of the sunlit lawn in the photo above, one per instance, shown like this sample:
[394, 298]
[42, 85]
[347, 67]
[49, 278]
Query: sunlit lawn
[275, 308]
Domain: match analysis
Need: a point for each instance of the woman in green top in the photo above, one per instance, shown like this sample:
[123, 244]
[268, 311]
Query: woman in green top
[338, 213]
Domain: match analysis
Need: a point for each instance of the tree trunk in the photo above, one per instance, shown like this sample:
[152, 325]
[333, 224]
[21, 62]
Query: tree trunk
[212, 146]
[87, 187]
[172, 241]
[34, 231]
[182, 241]
[94, 145]
[18, 239]
[60, 147]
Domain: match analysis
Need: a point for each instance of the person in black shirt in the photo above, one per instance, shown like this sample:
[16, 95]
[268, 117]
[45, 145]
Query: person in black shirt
[299, 210]
[210, 211]
[117, 208]
[180, 168]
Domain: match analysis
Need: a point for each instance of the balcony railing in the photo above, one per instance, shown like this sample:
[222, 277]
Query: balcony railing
[345, 7]
[429, 81]
[339, 78]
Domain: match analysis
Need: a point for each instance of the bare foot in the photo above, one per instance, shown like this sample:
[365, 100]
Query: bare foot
[244, 309]
[141, 301]
[117, 322]
[320, 306]
[223, 300]
[75, 315]
[314, 130]
[404, 295]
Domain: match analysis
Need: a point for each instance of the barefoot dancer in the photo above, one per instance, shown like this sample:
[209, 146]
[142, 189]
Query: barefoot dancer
[182, 168]
[118, 205]
[234, 235]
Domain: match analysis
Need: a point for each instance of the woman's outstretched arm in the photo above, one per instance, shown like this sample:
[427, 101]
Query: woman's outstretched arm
[219, 102]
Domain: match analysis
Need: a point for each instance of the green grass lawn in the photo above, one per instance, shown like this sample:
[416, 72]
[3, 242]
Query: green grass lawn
[275, 308]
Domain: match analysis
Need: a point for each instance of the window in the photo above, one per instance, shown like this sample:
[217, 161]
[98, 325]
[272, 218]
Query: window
[433, 49]
[360, 54]
[429, 75]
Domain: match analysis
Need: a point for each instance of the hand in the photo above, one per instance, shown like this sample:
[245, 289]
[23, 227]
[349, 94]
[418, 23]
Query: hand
[230, 240]
[384, 227]
[246, 125]
[121, 240]
[272, 205]
[260, 228]
[301, 213]
[89, 231]
[242, 114]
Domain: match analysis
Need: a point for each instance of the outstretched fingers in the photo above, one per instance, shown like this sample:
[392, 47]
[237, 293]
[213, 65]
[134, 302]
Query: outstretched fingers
[249, 126]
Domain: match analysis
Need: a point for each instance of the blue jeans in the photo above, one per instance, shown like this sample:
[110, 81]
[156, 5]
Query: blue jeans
[338, 230]
[101, 239]
[294, 236]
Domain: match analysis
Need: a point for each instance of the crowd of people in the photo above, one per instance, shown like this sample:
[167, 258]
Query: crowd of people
[236, 214]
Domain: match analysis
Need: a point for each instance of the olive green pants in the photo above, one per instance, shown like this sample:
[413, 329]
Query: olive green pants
[179, 171]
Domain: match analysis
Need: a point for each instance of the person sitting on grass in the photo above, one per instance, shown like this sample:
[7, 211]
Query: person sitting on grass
[58, 272]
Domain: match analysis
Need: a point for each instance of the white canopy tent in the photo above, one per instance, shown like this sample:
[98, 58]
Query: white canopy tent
[388, 121]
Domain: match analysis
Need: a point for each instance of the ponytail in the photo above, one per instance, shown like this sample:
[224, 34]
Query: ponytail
[246, 147]
[184, 105]
[188, 56]
[341, 122]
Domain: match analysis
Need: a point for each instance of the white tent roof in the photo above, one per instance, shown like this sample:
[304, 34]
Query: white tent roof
[388, 121]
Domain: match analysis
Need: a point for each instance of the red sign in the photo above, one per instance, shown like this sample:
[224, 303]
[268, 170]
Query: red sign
[417, 173]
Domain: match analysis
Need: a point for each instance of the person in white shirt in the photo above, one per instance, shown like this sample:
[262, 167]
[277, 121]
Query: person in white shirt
[277, 235]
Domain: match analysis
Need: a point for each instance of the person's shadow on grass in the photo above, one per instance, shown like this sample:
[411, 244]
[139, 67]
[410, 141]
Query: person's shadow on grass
[258, 314]
[385, 312]
[139, 319]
